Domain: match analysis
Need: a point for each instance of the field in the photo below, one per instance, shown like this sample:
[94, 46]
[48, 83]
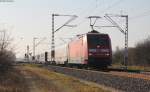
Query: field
[31, 78]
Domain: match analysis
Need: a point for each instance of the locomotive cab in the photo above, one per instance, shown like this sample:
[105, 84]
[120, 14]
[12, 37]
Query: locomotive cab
[99, 49]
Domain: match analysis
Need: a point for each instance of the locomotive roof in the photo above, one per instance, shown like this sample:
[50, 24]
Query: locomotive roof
[91, 32]
[95, 32]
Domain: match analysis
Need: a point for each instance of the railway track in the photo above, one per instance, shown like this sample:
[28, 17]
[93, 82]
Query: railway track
[128, 82]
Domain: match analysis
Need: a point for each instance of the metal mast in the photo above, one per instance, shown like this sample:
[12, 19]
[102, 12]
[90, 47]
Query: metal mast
[34, 48]
[35, 45]
[126, 42]
[28, 53]
[124, 31]
[53, 43]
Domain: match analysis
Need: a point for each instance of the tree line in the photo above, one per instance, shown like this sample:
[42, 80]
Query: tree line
[138, 55]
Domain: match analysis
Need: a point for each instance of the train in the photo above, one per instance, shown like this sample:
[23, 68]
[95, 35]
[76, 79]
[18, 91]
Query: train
[92, 49]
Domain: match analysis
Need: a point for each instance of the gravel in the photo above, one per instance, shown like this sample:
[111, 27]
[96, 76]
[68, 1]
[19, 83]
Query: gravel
[121, 83]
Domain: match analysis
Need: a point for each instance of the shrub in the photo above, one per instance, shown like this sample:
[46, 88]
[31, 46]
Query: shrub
[6, 60]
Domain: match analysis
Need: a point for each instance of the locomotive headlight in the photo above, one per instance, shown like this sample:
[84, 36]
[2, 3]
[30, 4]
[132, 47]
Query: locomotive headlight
[90, 54]
[105, 50]
[92, 50]
[107, 54]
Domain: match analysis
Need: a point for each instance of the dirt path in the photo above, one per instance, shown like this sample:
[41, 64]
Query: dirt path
[37, 83]
[33, 87]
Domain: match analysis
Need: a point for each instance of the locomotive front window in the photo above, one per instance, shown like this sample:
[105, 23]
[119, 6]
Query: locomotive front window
[95, 40]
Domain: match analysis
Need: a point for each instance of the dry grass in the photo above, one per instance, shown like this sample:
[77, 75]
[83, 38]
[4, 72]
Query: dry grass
[62, 82]
[11, 81]
[142, 68]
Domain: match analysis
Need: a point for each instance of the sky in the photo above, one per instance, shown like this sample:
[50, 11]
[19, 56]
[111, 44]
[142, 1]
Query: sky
[26, 19]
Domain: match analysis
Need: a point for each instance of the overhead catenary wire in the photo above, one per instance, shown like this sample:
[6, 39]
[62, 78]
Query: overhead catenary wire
[93, 9]
[111, 6]
[108, 8]
[141, 15]
[86, 11]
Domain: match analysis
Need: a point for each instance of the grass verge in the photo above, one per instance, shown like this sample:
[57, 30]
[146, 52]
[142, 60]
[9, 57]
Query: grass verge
[140, 68]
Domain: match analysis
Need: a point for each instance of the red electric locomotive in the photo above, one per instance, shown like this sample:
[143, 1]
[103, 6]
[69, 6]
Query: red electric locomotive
[92, 49]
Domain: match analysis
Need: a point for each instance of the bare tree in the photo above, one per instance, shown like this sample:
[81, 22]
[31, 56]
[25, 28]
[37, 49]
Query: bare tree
[118, 56]
[4, 40]
[143, 52]
[138, 55]
[7, 57]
